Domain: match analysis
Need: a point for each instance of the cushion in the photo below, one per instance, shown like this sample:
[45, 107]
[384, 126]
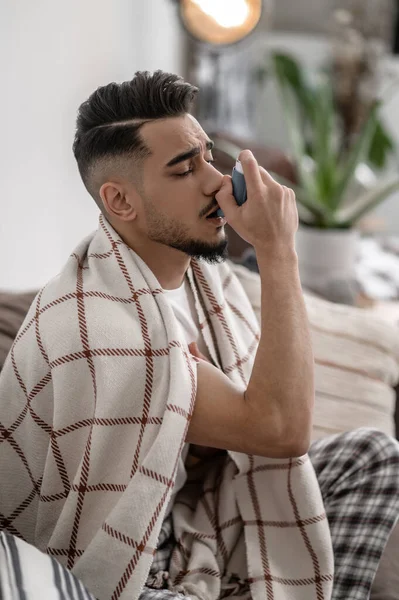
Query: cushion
[356, 356]
[357, 359]
[356, 367]
[26, 573]
[356, 363]
[13, 309]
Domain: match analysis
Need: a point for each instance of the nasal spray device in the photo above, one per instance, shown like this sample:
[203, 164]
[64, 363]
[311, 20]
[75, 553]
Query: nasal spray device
[239, 186]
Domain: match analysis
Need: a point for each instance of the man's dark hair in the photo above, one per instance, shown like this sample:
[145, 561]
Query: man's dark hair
[108, 123]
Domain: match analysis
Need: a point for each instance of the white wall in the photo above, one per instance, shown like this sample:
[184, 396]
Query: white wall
[303, 15]
[54, 53]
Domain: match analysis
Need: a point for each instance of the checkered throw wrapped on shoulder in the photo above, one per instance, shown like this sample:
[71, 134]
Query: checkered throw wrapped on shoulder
[95, 401]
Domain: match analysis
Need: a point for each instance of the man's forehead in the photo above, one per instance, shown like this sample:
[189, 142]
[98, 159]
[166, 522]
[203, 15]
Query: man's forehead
[174, 134]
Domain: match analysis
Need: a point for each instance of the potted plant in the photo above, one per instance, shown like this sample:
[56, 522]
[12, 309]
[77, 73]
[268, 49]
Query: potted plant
[328, 154]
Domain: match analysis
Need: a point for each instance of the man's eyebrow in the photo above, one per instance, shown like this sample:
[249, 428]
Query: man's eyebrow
[189, 154]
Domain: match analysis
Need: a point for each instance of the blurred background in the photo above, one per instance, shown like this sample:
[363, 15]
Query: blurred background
[311, 85]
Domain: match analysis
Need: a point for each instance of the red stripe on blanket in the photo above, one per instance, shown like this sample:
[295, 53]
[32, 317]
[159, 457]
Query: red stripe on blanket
[300, 523]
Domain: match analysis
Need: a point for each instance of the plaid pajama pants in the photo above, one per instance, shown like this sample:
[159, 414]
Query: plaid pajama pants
[358, 474]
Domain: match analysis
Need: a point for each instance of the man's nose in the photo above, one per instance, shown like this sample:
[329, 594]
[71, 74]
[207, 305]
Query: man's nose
[212, 181]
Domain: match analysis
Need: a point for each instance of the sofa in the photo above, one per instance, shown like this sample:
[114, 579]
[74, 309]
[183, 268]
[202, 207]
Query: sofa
[356, 355]
[356, 367]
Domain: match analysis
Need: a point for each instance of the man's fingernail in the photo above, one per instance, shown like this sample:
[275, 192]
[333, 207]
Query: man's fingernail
[246, 155]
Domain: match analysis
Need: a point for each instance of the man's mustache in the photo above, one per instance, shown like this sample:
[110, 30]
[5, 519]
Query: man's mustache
[210, 208]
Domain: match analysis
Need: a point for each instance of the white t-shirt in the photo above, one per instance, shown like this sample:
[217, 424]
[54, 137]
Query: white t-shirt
[183, 304]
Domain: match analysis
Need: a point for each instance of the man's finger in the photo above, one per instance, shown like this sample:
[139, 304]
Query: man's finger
[252, 175]
[267, 178]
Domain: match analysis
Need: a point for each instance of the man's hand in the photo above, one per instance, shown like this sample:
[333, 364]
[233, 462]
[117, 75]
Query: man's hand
[273, 416]
[269, 218]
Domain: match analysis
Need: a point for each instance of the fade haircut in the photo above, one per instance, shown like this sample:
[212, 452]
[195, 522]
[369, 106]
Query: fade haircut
[109, 122]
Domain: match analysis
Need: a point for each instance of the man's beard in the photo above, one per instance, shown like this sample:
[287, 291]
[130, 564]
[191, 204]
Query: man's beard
[212, 254]
[173, 234]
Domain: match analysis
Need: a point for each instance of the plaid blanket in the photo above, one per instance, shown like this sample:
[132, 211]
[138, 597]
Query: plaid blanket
[95, 401]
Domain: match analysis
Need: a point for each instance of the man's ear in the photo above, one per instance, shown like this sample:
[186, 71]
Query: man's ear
[117, 202]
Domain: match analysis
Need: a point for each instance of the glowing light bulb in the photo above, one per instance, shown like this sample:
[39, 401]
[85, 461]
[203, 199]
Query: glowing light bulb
[227, 13]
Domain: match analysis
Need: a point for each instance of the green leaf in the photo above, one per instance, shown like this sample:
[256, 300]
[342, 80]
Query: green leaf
[309, 116]
[233, 151]
[381, 146]
[357, 153]
[348, 215]
[309, 209]
[297, 138]
[323, 132]
[324, 119]
[289, 72]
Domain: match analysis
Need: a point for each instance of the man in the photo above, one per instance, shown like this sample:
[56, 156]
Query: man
[100, 400]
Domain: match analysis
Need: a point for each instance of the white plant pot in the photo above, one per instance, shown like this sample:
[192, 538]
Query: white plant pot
[326, 256]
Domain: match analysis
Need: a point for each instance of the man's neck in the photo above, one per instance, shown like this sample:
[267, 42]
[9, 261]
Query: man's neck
[168, 264]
